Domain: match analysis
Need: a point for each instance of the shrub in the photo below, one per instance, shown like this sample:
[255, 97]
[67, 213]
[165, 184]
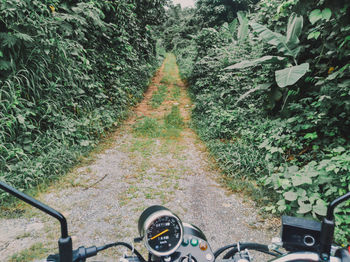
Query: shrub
[68, 72]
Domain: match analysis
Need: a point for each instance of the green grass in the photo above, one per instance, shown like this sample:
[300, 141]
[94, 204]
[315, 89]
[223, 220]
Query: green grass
[35, 252]
[168, 80]
[176, 93]
[152, 128]
[174, 119]
[148, 127]
[169, 69]
[144, 146]
[159, 96]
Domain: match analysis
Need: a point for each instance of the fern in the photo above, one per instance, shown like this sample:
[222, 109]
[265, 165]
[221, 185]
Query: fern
[8, 40]
[24, 37]
[4, 65]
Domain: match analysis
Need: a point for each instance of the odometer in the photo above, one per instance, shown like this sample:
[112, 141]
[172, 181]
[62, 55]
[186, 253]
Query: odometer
[161, 229]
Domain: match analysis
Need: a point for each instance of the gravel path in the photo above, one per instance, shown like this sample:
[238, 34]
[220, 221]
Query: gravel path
[104, 198]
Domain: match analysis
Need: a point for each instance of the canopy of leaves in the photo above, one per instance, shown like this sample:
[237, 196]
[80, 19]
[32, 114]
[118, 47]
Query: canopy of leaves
[211, 13]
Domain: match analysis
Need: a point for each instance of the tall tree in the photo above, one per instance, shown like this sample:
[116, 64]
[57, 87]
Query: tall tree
[212, 13]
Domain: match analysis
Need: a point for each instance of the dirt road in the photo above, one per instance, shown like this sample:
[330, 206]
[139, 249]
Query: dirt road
[154, 158]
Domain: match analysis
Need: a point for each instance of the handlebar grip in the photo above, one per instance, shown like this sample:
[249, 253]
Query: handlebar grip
[343, 254]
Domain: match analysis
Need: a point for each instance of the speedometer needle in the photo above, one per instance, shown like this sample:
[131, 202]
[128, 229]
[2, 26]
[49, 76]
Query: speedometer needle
[161, 233]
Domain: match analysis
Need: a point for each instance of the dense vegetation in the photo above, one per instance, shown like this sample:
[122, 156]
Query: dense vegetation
[270, 80]
[69, 70]
[271, 86]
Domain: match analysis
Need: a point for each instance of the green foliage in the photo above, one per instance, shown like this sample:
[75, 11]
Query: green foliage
[287, 45]
[68, 72]
[317, 15]
[176, 93]
[174, 118]
[289, 76]
[147, 126]
[308, 189]
[243, 29]
[159, 96]
[186, 56]
[35, 252]
[151, 127]
[215, 13]
[207, 39]
[283, 117]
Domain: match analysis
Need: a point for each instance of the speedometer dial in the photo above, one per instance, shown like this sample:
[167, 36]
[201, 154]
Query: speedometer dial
[162, 230]
[164, 234]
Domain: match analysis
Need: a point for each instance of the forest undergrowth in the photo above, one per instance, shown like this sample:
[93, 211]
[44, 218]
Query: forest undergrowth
[271, 85]
[270, 80]
[69, 72]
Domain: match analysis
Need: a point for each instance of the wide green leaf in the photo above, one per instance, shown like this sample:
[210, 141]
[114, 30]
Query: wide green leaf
[267, 35]
[304, 208]
[259, 87]
[243, 29]
[290, 196]
[320, 208]
[298, 180]
[262, 60]
[233, 26]
[326, 14]
[315, 35]
[275, 39]
[291, 75]
[294, 28]
[315, 15]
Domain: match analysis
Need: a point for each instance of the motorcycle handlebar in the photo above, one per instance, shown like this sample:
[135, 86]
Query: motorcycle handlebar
[66, 253]
[291, 257]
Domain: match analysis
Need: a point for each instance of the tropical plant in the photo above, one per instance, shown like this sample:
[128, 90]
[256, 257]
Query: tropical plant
[308, 66]
[288, 46]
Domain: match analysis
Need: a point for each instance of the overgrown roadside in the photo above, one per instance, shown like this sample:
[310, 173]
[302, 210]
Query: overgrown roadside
[154, 158]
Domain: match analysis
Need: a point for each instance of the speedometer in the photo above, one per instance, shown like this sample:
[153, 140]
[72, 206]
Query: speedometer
[161, 229]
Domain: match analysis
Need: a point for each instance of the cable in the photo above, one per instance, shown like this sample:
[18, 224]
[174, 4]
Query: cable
[233, 251]
[252, 246]
[278, 252]
[223, 249]
[122, 244]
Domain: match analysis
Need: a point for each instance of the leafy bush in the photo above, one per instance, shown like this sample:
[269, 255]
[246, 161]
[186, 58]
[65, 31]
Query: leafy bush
[68, 71]
[310, 188]
[258, 123]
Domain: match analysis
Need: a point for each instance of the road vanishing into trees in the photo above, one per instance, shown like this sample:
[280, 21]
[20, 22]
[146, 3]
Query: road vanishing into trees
[153, 158]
